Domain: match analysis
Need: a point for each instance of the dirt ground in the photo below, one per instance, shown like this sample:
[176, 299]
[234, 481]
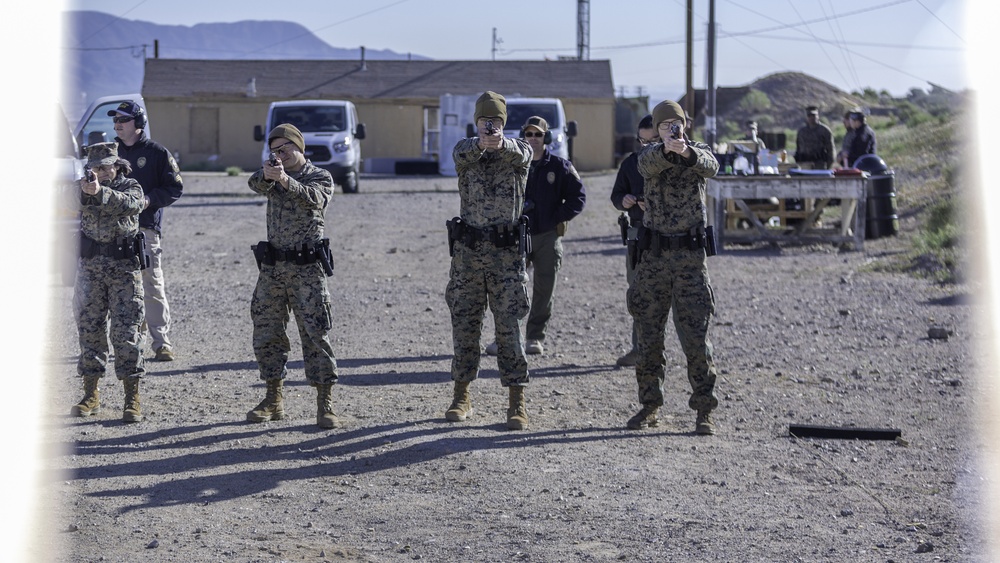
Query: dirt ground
[802, 336]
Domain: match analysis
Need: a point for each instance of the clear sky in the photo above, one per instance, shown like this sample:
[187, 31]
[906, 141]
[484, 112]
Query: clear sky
[889, 45]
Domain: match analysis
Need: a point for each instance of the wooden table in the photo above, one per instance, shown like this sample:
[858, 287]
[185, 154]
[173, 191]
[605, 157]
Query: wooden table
[818, 190]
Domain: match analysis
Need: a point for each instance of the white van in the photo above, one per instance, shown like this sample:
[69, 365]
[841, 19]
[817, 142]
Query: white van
[331, 132]
[549, 109]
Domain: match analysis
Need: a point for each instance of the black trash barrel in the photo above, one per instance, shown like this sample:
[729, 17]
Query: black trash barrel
[882, 220]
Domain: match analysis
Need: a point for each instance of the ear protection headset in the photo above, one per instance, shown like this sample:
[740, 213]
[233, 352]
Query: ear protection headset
[140, 117]
[546, 140]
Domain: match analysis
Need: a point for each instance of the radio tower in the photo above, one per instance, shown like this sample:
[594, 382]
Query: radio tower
[583, 30]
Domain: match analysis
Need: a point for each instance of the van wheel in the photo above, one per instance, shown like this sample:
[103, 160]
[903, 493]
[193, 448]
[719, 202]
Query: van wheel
[350, 183]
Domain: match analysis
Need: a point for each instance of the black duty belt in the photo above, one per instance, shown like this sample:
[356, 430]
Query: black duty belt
[122, 248]
[265, 253]
[500, 236]
[697, 238]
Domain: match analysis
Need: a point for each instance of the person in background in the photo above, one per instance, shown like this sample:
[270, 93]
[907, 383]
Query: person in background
[553, 196]
[108, 283]
[157, 172]
[672, 271]
[627, 196]
[488, 244]
[845, 145]
[863, 141]
[814, 143]
[294, 262]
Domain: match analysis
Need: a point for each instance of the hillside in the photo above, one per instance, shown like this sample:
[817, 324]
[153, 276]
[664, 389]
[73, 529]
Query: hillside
[105, 54]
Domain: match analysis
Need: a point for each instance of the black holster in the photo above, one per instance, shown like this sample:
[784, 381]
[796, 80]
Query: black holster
[624, 224]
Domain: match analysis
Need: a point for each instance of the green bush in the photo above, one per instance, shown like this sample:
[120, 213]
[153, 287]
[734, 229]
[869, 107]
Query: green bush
[234, 171]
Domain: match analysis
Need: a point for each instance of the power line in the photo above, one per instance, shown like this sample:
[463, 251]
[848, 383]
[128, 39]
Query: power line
[939, 19]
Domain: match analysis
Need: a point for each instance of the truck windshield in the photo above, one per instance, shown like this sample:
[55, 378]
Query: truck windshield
[99, 128]
[518, 113]
[313, 119]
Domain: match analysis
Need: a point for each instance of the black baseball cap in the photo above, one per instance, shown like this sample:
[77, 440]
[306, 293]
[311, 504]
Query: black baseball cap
[128, 108]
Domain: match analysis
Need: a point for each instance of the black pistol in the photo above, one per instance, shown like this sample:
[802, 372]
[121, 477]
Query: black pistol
[88, 173]
[489, 127]
[273, 159]
[624, 224]
[675, 131]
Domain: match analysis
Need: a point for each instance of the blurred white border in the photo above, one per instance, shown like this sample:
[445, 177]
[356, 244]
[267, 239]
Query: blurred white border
[981, 33]
[30, 37]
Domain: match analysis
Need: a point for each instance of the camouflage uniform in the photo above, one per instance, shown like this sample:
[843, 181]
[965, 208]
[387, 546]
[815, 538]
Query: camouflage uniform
[675, 202]
[814, 144]
[109, 287]
[491, 185]
[294, 216]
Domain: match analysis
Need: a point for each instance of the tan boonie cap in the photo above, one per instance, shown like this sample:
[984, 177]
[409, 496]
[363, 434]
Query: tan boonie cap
[102, 154]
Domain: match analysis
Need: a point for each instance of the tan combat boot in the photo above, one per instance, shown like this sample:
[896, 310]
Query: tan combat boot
[325, 417]
[704, 424]
[461, 405]
[273, 405]
[91, 401]
[645, 418]
[517, 413]
[132, 412]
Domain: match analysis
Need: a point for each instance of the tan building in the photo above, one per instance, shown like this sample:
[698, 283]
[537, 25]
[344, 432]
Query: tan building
[206, 110]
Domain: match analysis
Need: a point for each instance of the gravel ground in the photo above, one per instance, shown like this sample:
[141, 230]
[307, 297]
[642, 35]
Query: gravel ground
[802, 336]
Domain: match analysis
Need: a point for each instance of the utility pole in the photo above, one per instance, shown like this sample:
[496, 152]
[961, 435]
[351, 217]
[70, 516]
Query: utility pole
[710, 130]
[583, 30]
[496, 44]
[689, 91]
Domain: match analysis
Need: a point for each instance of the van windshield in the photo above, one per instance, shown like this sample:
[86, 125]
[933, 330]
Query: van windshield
[314, 119]
[518, 113]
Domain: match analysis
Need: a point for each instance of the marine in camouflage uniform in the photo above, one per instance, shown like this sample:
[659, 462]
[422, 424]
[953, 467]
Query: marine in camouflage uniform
[492, 174]
[814, 143]
[298, 193]
[108, 282]
[674, 175]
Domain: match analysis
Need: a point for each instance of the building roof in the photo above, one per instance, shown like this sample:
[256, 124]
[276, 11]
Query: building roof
[380, 79]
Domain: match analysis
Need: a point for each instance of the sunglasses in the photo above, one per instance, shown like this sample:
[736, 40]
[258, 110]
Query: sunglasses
[123, 119]
[529, 134]
[647, 141]
[278, 150]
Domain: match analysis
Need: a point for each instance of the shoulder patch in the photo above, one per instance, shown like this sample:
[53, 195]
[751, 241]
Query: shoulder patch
[140, 162]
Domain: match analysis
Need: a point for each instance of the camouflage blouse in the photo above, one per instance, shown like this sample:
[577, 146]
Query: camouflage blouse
[112, 212]
[296, 215]
[491, 184]
[674, 187]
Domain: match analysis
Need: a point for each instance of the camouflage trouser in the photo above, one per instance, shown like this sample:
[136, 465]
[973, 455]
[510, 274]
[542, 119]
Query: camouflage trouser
[109, 289]
[302, 290]
[481, 277]
[546, 260]
[677, 279]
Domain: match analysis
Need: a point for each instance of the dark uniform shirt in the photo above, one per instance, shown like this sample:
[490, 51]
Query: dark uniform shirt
[156, 171]
[554, 193]
[628, 181]
[862, 143]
